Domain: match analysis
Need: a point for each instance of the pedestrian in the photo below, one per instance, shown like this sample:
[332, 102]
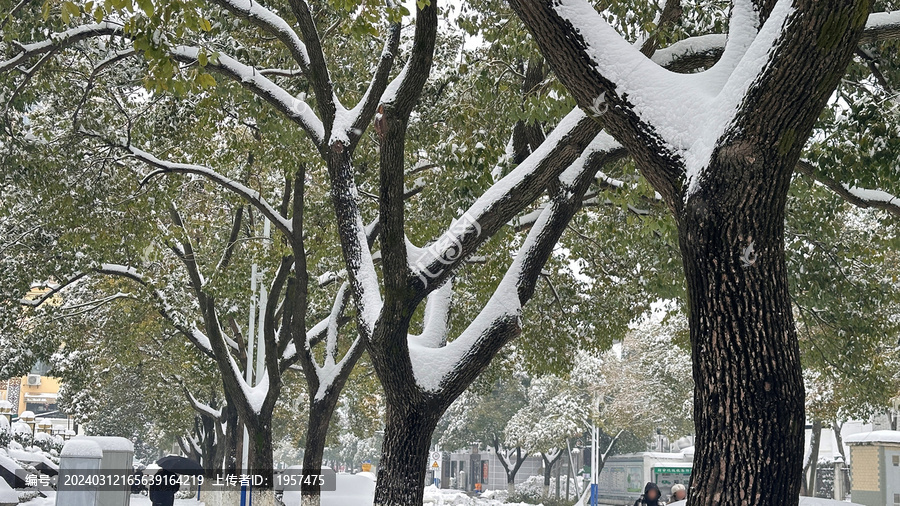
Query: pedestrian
[679, 493]
[650, 496]
[163, 486]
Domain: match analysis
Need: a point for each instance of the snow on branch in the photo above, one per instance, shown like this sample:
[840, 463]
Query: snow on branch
[322, 378]
[330, 371]
[692, 53]
[437, 317]
[332, 333]
[59, 40]
[881, 26]
[860, 197]
[502, 201]
[667, 103]
[255, 396]
[49, 294]
[248, 194]
[702, 51]
[602, 144]
[441, 368]
[199, 407]
[270, 22]
[249, 77]
[349, 124]
[358, 257]
[192, 333]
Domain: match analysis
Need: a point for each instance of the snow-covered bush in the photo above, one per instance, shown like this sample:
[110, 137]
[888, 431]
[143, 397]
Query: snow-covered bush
[48, 443]
[4, 432]
[21, 433]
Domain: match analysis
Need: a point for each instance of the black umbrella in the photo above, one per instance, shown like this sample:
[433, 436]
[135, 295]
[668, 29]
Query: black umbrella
[180, 465]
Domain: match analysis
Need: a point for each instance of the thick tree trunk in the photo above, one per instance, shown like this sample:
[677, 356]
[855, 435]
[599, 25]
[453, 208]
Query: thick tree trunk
[320, 414]
[404, 454]
[208, 444]
[748, 394]
[228, 450]
[261, 448]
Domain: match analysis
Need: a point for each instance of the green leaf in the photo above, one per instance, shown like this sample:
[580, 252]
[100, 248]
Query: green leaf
[206, 80]
[147, 7]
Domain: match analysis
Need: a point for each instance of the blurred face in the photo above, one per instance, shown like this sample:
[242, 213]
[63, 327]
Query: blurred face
[652, 494]
[680, 494]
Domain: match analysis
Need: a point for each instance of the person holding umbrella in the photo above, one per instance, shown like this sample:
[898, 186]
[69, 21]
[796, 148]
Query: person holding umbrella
[166, 482]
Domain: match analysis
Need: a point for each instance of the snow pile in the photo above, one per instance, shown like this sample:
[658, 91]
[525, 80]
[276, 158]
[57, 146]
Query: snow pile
[113, 443]
[449, 497]
[32, 458]
[10, 465]
[7, 494]
[82, 447]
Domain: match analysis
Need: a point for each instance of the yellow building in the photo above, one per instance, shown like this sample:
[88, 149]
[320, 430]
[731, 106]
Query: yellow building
[38, 393]
[35, 392]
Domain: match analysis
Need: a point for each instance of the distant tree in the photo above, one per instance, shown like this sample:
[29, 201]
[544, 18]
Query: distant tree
[481, 415]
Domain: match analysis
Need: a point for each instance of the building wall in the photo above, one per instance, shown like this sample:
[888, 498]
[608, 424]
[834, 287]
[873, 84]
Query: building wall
[866, 468]
[496, 475]
[48, 386]
[867, 475]
[891, 474]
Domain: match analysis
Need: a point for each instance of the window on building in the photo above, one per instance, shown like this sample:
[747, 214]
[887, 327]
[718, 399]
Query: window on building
[43, 405]
[896, 460]
[896, 499]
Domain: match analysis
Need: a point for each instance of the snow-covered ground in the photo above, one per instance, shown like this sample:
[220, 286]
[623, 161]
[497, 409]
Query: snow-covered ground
[433, 497]
[448, 497]
[136, 500]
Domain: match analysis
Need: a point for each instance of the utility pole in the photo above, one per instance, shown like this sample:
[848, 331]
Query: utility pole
[254, 329]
